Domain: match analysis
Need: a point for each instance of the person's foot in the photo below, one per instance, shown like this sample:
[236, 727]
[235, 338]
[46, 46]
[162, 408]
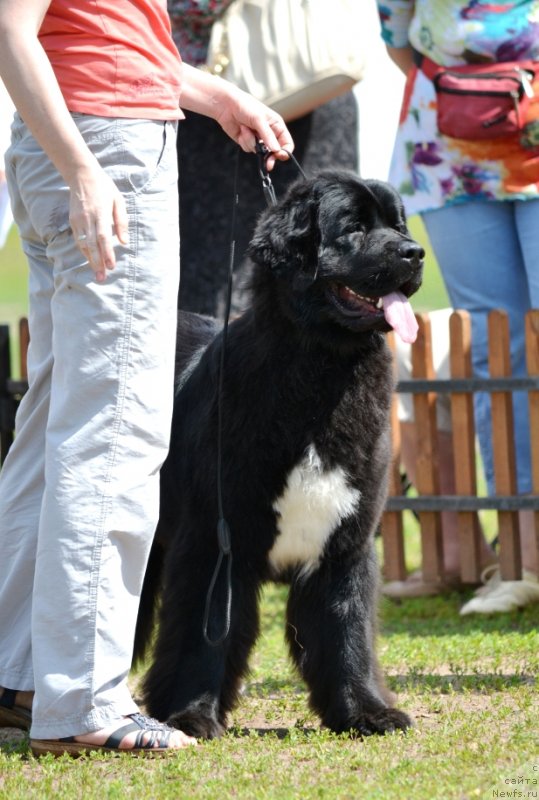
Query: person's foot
[497, 596]
[134, 734]
[15, 709]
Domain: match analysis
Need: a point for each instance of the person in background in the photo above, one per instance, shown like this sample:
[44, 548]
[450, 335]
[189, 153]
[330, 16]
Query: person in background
[328, 137]
[92, 173]
[480, 206]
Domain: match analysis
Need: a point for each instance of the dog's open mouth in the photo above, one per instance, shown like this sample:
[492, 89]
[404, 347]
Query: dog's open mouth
[353, 304]
[393, 307]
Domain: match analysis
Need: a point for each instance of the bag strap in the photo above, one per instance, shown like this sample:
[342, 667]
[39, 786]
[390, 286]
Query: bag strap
[426, 65]
[431, 69]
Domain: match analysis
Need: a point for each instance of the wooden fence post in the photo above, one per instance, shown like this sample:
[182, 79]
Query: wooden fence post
[24, 341]
[392, 530]
[427, 473]
[462, 423]
[6, 401]
[503, 446]
[532, 356]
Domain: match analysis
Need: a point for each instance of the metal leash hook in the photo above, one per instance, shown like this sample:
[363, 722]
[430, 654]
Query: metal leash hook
[267, 186]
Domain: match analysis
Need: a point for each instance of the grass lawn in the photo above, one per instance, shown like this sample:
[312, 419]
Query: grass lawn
[432, 293]
[470, 684]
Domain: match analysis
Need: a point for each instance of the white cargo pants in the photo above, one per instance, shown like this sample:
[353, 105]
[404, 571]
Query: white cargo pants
[79, 489]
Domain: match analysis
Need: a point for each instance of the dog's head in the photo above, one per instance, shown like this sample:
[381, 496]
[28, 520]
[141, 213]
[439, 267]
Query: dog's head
[337, 252]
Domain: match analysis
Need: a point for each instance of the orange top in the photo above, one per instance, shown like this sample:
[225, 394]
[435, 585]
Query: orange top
[114, 58]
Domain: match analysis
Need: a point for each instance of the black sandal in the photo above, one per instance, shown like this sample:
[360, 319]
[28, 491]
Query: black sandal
[157, 743]
[12, 715]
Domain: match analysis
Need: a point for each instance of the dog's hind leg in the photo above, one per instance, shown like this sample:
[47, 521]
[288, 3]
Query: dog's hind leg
[184, 681]
[191, 683]
[331, 628]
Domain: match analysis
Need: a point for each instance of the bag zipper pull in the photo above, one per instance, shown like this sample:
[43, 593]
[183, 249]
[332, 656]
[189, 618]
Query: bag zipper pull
[525, 79]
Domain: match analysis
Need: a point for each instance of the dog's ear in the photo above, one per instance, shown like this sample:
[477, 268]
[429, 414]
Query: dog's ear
[390, 200]
[287, 237]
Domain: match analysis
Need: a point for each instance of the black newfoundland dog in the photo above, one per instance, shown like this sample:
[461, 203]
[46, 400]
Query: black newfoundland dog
[305, 403]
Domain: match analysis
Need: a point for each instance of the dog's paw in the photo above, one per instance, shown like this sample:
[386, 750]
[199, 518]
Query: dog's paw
[386, 720]
[196, 725]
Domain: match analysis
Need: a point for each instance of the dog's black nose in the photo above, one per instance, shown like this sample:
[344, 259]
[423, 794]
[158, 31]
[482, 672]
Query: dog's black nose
[411, 251]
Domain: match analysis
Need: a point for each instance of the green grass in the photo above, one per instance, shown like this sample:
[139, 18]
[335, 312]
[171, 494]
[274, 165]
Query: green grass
[13, 291]
[432, 293]
[471, 685]
[13, 279]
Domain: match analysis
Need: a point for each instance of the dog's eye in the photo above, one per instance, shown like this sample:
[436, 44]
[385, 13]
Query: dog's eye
[353, 228]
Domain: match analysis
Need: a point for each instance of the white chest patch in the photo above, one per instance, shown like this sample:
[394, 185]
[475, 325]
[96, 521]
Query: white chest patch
[312, 505]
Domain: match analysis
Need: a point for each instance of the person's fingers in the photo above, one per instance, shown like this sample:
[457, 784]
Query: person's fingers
[246, 139]
[97, 215]
[97, 248]
[119, 215]
[103, 254]
[276, 137]
[280, 155]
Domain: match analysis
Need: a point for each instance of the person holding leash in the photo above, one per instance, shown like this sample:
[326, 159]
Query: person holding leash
[92, 174]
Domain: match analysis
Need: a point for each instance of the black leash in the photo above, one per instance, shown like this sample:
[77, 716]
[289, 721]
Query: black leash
[223, 531]
[224, 538]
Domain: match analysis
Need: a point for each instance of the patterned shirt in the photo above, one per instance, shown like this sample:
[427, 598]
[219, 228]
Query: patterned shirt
[431, 170]
[191, 22]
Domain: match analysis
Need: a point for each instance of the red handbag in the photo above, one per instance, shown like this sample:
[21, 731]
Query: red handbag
[481, 101]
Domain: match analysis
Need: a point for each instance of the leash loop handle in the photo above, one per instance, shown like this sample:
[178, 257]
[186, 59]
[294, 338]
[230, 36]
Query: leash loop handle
[209, 597]
[223, 537]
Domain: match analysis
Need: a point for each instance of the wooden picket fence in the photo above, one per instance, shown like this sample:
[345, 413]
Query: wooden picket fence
[429, 503]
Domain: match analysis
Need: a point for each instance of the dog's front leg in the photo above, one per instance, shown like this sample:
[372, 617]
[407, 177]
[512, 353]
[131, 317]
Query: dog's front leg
[331, 627]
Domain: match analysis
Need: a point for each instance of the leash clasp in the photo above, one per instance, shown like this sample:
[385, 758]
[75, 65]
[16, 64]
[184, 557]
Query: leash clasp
[267, 186]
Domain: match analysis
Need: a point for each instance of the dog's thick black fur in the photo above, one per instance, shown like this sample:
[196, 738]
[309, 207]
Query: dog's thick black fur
[305, 408]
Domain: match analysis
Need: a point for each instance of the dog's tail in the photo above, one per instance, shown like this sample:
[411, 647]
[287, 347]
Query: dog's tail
[149, 601]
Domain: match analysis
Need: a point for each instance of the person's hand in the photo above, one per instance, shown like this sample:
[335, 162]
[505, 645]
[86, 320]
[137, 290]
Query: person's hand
[97, 212]
[247, 120]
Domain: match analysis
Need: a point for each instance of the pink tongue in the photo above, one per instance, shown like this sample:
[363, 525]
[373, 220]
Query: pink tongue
[398, 313]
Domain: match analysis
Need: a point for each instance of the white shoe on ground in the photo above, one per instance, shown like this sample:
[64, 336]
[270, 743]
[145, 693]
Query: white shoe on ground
[498, 596]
